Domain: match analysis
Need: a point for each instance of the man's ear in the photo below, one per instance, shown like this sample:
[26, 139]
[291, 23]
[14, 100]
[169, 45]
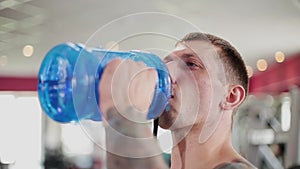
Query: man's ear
[234, 98]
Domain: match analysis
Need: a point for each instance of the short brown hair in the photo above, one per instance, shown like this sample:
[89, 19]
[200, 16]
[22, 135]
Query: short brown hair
[235, 68]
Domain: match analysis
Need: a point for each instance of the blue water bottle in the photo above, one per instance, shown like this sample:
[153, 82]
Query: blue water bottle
[69, 76]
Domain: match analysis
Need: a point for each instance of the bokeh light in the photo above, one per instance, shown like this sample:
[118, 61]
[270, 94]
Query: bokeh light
[279, 57]
[28, 50]
[262, 65]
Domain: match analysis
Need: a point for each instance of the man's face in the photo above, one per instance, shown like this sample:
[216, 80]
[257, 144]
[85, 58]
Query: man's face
[198, 84]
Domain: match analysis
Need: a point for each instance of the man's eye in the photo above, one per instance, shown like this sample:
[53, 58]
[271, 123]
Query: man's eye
[191, 64]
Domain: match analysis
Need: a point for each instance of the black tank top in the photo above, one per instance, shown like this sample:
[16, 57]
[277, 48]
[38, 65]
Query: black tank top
[236, 164]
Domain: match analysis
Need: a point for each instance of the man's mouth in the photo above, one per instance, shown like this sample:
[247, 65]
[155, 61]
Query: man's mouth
[173, 93]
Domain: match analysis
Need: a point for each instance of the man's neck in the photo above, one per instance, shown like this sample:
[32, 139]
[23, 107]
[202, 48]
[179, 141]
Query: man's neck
[189, 153]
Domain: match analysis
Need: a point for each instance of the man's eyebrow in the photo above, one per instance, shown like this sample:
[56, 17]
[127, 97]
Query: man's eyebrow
[184, 56]
[192, 56]
[188, 55]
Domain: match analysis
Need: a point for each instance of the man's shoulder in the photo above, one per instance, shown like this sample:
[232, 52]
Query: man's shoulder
[235, 165]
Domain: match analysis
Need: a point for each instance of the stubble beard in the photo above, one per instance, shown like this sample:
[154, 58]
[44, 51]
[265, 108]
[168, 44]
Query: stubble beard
[167, 118]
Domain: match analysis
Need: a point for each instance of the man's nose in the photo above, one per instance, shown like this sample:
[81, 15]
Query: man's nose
[173, 68]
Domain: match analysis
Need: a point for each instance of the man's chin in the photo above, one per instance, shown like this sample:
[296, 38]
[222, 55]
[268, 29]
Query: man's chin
[165, 120]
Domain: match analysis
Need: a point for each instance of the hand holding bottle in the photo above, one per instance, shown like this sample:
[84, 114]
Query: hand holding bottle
[126, 92]
[126, 84]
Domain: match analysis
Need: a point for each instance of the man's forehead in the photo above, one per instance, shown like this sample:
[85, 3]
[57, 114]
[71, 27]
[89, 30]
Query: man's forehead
[198, 47]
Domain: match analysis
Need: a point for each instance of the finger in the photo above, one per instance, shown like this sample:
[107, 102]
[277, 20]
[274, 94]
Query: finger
[105, 86]
[141, 89]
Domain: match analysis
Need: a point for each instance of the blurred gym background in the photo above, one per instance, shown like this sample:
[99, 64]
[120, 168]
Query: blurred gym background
[267, 33]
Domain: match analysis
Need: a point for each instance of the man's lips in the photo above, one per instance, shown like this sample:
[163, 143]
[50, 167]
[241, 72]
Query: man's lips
[173, 93]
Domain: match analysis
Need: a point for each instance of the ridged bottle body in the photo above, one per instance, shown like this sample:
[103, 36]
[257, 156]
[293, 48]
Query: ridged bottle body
[69, 76]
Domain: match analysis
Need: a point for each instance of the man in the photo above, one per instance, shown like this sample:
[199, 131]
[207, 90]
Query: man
[209, 82]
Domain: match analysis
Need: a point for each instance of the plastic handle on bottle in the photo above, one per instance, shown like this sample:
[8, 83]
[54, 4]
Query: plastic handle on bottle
[69, 76]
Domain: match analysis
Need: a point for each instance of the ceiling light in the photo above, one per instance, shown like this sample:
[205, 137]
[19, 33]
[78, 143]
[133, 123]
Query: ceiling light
[28, 50]
[262, 65]
[3, 60]
[279, 57]
[249, 71]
